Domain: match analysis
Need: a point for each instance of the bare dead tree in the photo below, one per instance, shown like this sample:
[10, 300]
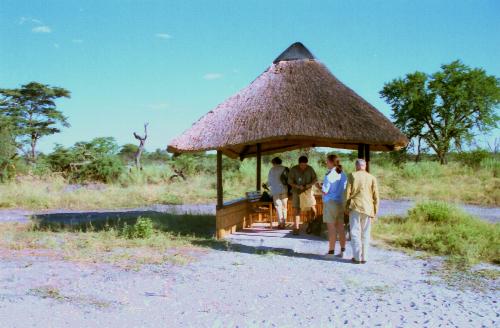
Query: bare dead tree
[142, 141]
[495, 146]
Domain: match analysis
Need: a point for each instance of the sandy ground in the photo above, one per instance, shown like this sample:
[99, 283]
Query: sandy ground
[265, 279]
[243, 287]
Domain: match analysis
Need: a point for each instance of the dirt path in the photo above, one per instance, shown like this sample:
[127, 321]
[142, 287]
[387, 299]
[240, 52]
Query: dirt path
[242, 287]
[387, 207]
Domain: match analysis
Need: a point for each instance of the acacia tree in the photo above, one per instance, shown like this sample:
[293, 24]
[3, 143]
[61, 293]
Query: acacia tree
[445, 108]
[33, 111]
[7, 149]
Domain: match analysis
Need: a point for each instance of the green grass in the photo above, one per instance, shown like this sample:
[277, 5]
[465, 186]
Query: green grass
[142, 229]
[428, 180]
[421, 181]
[442, 229]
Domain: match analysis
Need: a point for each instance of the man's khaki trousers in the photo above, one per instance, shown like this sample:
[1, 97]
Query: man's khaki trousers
[360, 235]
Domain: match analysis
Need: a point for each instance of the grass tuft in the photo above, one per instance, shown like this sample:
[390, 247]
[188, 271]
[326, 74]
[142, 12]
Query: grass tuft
[142, 229]
[443, 229]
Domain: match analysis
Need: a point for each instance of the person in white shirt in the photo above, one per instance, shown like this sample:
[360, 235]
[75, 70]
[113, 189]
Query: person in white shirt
[334, 186]
[276, 180]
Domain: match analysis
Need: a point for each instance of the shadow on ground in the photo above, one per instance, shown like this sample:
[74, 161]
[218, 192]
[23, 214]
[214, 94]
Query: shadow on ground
[202, 227]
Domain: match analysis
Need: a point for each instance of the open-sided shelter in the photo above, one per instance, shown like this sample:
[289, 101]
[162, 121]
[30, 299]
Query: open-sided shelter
[296, 103]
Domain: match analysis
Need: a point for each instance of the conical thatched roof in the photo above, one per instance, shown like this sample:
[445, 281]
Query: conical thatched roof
[295, 103]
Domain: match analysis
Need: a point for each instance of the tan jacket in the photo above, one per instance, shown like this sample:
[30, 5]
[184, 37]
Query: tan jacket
[362, 193]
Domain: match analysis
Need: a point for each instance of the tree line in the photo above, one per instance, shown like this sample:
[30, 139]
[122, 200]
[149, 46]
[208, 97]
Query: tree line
[440, 112]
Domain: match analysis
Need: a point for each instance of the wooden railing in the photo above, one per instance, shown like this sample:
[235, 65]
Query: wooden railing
[231, 217]
[238, 214]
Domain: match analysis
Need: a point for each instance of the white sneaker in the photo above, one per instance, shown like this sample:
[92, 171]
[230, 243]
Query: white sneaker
[329, 255]
[340, 255]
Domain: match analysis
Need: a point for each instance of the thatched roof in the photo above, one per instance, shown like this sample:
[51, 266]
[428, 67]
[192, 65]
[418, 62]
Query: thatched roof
[295, 103]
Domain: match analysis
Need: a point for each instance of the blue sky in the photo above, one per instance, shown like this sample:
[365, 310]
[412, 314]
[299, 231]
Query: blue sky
[169, 62]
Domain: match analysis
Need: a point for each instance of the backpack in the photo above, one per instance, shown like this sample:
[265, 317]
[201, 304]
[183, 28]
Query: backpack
[284, 176]
[265, 197]
[315, 226]
[284, 179]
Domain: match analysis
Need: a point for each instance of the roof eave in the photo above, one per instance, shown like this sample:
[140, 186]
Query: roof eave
[287, 144]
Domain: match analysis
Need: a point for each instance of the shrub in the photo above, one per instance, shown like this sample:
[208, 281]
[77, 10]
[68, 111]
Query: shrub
[61, 158]
[127, 152]
[473, 158]
[142, 229]
[189, 164]
[434, 212]
[399, 157]
[443, 229]
[41, 168]
[88, 161]
[106, 169]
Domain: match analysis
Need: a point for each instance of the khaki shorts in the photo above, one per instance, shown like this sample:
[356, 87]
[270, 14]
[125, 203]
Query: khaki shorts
[333, 212]
[296, 200]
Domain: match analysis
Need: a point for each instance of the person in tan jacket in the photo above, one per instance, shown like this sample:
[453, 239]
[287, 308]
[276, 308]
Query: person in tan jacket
[362, 201]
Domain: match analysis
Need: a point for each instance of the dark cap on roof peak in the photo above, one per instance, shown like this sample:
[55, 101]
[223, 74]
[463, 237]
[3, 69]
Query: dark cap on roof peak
[294, 52]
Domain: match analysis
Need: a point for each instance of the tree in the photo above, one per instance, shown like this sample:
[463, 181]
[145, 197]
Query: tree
[7, 149]
[96, 147]
[445, 108]
[140, 149]
[33, 111]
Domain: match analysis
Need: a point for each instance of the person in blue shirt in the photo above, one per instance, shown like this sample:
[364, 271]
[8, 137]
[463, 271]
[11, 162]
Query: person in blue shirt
[333, 188]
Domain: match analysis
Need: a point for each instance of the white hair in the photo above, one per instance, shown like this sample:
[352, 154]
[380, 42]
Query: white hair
[360, 162]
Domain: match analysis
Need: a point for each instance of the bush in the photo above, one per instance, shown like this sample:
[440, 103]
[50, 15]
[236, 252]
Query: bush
[41, 168]
[443, 229]
[61, 158]
[399, 157]
[106, 169]
[87, 161]
[473, 158]
[142, 229]
[127, 152]
[439, 212]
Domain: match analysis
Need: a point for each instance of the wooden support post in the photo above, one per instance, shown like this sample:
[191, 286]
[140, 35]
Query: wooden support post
[361, 151]
[367, 157]
[220, 198]
[259, 162]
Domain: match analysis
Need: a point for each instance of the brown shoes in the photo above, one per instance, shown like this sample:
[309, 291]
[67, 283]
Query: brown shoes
[357, 262]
